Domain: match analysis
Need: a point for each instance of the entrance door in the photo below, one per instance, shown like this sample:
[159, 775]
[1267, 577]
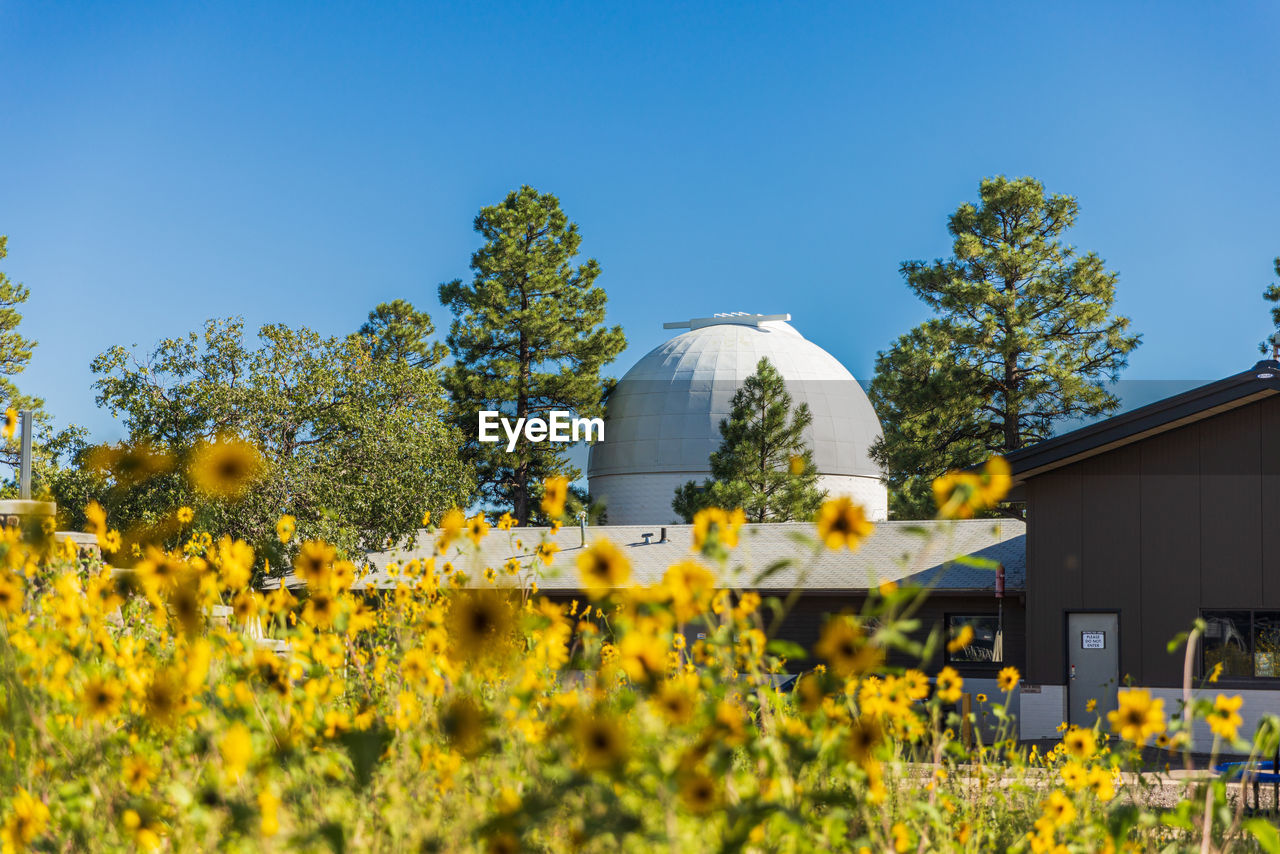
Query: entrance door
[1093, 664]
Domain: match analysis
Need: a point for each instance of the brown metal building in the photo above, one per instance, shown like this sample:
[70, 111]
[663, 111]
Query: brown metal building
[1139, 524]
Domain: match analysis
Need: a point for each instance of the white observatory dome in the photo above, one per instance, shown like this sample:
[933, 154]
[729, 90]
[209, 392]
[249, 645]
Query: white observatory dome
[663, 419]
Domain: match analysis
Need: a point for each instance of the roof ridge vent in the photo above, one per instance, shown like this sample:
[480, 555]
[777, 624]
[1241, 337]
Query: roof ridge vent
[732, 318]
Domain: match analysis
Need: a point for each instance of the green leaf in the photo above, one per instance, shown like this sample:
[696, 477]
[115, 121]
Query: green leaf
[1266, 834]
[771, 570]
[976, 562]
[365, 747]
[786, 649]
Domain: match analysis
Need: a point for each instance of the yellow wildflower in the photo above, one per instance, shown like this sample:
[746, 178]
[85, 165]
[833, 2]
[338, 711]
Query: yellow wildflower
[843, 524]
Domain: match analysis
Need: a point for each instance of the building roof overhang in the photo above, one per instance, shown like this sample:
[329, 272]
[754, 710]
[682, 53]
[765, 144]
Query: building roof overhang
[1260, 381]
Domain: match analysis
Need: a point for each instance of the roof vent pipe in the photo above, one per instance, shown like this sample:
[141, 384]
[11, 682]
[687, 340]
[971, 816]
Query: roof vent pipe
[647, 538]
[663, 536]
[582, 526]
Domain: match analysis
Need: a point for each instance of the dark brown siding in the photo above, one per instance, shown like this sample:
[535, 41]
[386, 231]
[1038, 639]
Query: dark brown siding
[1170, 565]
[1054, 547]
[1156, 530]
[1111, 548]
[1269, 509]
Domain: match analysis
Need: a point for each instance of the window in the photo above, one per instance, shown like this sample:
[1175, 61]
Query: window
[1245, 643]
[987, 646]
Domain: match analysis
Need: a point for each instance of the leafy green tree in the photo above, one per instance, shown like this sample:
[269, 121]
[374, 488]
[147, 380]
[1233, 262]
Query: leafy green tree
[528, 337]
[1272, 295]
[763, 465]
[355, 436]
[1024, 338]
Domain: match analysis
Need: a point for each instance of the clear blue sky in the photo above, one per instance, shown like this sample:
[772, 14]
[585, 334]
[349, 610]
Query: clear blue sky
[166, 163]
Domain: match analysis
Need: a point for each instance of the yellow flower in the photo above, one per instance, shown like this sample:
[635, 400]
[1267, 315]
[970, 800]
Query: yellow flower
[481, 624]
[1080, 743]
[600, 741]
[1225, 718]
[547, 551]
[1074, 776]
[690, 585]
[555, 490]
[225, 468]
[865, 735]
[995, 481]
[699, 792]
[321, 609]
[961, 494]
[451, 526]
[165, 698]
[506, 522]
[843, 524]
[1090, 705]
[236, 747]
[269, 807]
[10, 422]
[747, 605]
[101, 697]
[1102, 783]
[1058, 808]
[949, 685]
[184, 515]
[1216, 672]
[1138, 716]
[901, 838]
[95, 519]
[144, 833]
[643, 656]
[477, 528]
[137, 774]
[845, 647]
[963, 638]
[916, 684]
[426, 518]
[715, 527]
[675, 703]
[245, 606]
[285, 526]
[603, 567]
[1008, 679]
[314, 563]
[11, 594]
[28, 817]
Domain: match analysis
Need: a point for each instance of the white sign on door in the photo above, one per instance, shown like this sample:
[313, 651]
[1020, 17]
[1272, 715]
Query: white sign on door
[1093, 640]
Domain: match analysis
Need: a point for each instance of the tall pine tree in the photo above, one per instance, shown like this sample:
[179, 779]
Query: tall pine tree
[528, 337]
[398, 331]
[763, 464]
[1023, 339]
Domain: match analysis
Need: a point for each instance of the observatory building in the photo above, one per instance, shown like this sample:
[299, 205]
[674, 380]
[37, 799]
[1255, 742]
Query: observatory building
[663, 419]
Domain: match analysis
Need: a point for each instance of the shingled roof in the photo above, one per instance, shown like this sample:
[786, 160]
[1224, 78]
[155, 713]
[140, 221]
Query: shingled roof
[921, 553]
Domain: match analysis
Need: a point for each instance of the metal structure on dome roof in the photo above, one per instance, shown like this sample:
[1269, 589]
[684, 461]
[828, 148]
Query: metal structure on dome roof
[730, 318]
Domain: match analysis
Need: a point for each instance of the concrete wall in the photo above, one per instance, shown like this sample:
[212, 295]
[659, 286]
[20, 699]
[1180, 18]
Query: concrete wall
[1042, 713]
